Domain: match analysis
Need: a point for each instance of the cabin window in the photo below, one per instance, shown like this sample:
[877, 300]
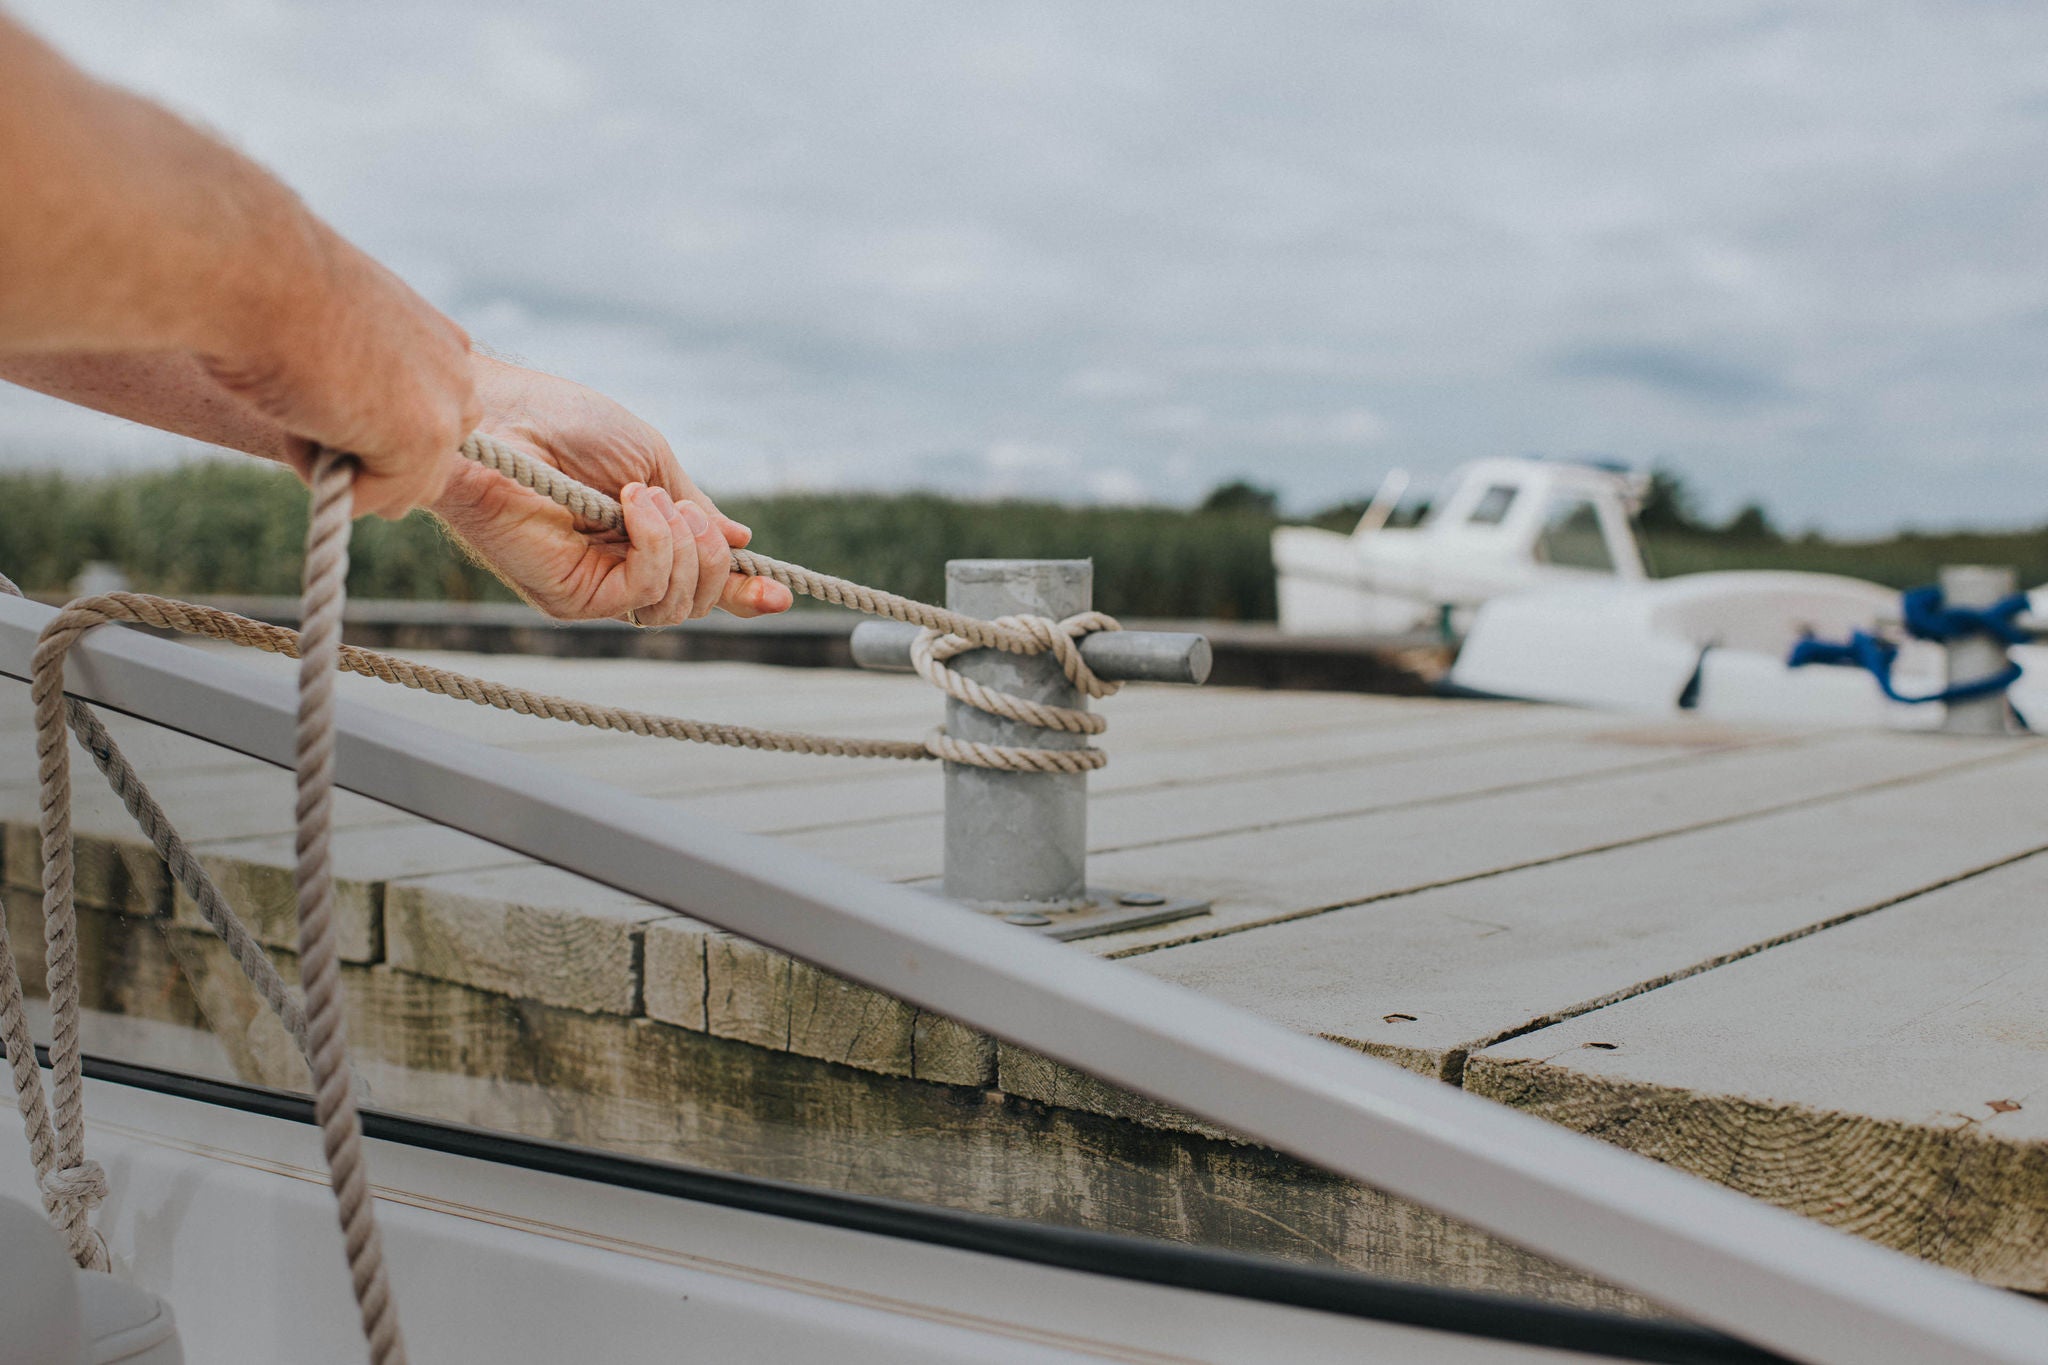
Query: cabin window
[1492, 508]
[1572, 537]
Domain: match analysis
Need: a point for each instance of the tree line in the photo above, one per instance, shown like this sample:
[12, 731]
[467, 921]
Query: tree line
[237, 526]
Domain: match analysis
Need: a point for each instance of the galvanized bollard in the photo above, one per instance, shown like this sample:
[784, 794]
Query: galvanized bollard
[1017, 843]
[1975, 656]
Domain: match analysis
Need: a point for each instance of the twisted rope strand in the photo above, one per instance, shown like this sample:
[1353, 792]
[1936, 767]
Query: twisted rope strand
[930, 652]
[341, 1129]
[29, 1097]
[198, 883]
[61, 1199]
[68, 1192]
[188, 618]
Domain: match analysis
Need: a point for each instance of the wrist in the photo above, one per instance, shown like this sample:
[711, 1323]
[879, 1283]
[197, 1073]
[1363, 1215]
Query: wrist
[475, 496]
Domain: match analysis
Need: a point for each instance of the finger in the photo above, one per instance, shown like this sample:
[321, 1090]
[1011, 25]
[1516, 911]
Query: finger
[747, 595]
[735, 533]
[676, 604]
[684, 489]
[641, 579]
[373, 495]
[714, 558]
[670, 475]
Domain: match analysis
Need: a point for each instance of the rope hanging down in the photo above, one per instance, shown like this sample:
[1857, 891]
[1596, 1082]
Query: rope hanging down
[71, 1185]
[71, 1192]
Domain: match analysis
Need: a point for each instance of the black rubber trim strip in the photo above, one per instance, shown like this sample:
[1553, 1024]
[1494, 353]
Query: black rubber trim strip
[1228, 1274]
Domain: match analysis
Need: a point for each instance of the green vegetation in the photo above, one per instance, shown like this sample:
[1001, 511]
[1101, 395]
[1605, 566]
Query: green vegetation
[217, 526]
[1678, 540]
[233, 526]
[1149, 561]
[1904, 561]
[237, 526]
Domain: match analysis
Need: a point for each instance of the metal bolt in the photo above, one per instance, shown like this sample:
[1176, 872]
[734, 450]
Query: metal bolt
[1116, 655]
[1030, 919]
[1141, 898]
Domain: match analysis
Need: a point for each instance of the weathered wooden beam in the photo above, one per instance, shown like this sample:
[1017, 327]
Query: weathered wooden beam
[1888, 1075]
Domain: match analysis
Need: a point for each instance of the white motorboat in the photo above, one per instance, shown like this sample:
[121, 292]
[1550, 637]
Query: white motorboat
[1534, 568]
[1503, 526]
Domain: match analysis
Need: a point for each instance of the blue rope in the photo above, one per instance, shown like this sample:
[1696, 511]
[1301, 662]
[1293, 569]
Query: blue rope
[1875, 657]
[1928, 617]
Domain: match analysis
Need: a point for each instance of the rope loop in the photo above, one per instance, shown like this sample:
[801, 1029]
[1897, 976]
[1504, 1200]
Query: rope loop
[70, 1194]
[84, 1184]
[1876, 656]
[1010, 758]
[931, 654]
[1929, 617]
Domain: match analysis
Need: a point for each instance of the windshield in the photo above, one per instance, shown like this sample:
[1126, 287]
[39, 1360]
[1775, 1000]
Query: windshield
[1493, 505]
[1572, 536]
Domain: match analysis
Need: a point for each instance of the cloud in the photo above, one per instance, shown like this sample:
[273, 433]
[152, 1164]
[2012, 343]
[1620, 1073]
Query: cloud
[1694, 376]
[1786, 249]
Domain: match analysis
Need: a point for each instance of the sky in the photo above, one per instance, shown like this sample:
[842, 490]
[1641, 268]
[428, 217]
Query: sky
[1121, 251]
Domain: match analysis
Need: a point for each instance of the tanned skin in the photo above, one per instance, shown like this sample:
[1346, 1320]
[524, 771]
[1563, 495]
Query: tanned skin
[150, 271]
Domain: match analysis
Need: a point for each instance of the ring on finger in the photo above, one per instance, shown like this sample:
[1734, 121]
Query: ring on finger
[633, 618]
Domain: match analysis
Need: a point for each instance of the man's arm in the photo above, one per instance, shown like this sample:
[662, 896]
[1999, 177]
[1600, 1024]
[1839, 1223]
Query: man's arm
[169, 390]
[124, 230]
[150, 272]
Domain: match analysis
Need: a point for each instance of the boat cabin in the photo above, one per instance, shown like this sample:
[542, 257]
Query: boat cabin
[1504, 525]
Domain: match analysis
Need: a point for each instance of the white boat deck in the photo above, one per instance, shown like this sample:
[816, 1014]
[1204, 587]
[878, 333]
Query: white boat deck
[1806, 964]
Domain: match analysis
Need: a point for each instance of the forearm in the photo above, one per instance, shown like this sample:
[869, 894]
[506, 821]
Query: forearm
[126, 233]
[169, 390]
[125, 229]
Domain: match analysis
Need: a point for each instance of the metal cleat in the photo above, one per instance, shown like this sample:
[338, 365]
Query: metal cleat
[1017, 843]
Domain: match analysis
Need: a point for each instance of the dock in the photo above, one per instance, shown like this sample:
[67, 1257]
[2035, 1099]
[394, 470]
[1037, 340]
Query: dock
[1807, 964]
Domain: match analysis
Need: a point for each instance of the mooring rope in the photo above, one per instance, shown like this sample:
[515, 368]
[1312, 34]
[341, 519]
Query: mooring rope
[334, 1103]
[73, 1186]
